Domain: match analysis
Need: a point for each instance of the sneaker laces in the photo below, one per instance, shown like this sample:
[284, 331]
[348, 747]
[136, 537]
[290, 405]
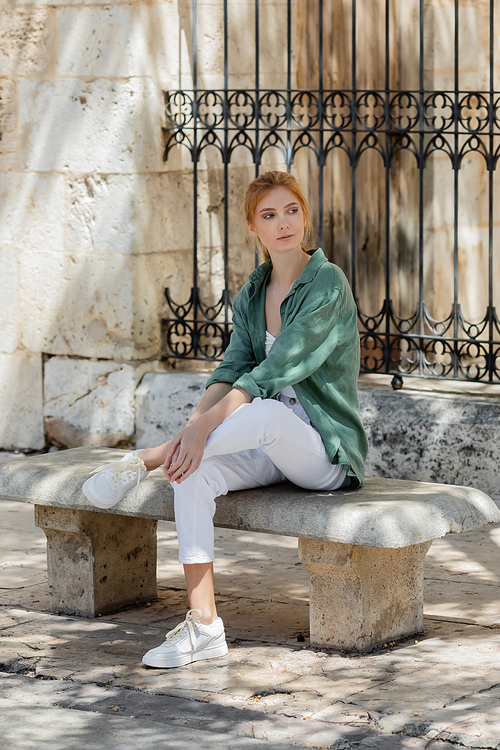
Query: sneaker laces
[188, 623]
[121, 471]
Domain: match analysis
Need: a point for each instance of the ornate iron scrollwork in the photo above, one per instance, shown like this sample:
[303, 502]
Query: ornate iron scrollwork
[387, 122]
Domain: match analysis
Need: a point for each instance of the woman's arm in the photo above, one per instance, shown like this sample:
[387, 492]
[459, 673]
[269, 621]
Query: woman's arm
[212, 396]
[186, 449]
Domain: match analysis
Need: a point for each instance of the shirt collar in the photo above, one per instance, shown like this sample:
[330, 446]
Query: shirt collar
[313, 264]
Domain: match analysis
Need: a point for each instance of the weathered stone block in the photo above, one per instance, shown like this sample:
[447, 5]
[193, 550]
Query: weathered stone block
[150, 213]
[101, 215]
[9, 145]
[89, 402]
[153, 213]
[24, 34]
[158, 44]
[93, 42]
[132, 213]
[100, 306]
[433, 437]
[89, 310]
[97, 563]
[9, 295]
[362, 596]
[95, 126]
[21, 424]
[31, 210]
[147, 214]
[164, 402]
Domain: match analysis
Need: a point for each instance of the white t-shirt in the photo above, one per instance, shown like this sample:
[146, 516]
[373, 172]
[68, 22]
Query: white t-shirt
[288, 395]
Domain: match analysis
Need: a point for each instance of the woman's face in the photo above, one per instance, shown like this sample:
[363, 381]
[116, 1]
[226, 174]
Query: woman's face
[279, 221]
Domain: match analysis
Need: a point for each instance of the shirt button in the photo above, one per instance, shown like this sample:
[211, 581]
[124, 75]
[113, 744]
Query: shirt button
[292, 401]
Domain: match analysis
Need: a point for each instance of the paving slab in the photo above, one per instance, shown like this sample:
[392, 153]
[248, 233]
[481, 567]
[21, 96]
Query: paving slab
[27, 727]
[197, 715]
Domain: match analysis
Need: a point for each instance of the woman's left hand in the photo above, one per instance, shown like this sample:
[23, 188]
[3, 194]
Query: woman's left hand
[185, 453]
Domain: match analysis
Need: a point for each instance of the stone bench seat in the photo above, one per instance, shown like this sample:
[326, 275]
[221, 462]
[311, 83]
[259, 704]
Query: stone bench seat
[364, 549]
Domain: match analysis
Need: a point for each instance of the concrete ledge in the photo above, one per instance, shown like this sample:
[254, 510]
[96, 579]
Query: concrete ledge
[432, 435]
[388, 513]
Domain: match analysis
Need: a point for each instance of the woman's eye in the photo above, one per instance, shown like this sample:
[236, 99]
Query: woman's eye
[293, 210]
[268, 216]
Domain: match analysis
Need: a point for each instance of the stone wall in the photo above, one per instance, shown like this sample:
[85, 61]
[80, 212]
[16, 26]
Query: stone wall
[93, 223]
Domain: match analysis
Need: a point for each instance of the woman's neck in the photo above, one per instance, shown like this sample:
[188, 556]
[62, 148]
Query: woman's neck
[287, 268]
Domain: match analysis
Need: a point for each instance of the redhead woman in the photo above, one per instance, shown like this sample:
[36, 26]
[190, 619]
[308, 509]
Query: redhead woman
[282, 405]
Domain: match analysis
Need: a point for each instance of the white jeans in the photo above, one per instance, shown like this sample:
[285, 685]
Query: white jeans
[261, 443]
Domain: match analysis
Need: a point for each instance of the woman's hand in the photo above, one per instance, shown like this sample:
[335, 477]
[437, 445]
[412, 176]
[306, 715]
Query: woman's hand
[185, 452]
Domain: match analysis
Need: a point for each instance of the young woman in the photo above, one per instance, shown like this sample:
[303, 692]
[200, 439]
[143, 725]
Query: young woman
[282, 405]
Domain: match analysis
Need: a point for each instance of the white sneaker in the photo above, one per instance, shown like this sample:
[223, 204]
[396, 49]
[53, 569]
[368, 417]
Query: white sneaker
[189, 641]
[109, 483]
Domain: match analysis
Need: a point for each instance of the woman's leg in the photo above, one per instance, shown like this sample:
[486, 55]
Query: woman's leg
[271, 444]
[194, 511]
[200, 589]
[293, 446]
[204, 638]
[154, 457]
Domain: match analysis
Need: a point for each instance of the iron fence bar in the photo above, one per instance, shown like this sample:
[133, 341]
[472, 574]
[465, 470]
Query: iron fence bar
[320, 104]
[257, 108]
[226, 170]
[456, 165]
[194, 291]
[288, 154]
[387, 149]
[353, 150]
[491, 167]
[421, 122]
[257, 87]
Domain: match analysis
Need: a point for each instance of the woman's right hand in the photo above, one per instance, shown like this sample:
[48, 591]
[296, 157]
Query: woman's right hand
[185, 452]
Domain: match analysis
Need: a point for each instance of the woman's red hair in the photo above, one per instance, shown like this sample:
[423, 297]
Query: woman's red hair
[257, 189]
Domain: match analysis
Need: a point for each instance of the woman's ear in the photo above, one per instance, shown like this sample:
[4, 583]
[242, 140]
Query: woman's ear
[252, 230]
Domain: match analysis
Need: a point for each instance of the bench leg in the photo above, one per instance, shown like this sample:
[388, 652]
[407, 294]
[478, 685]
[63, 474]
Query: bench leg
[363, 597]
[97, 562]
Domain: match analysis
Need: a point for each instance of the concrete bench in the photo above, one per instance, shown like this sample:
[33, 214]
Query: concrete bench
[364, 549]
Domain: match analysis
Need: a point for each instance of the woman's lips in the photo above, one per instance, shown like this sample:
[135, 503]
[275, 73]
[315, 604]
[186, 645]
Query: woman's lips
[285, 237]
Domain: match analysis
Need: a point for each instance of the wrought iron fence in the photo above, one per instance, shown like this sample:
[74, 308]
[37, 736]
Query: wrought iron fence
[454, 122]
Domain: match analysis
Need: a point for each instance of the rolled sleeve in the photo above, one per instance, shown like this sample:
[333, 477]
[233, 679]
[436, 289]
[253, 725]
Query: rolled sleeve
[300, 349]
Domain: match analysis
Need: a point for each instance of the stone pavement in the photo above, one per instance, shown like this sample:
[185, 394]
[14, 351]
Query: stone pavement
[67, 682]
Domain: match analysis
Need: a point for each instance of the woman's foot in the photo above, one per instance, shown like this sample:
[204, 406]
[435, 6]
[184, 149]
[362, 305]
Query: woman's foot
[108, 484]
[190, 641]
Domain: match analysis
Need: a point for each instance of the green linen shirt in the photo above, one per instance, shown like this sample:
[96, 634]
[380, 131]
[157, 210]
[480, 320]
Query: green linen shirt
[316, 352]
